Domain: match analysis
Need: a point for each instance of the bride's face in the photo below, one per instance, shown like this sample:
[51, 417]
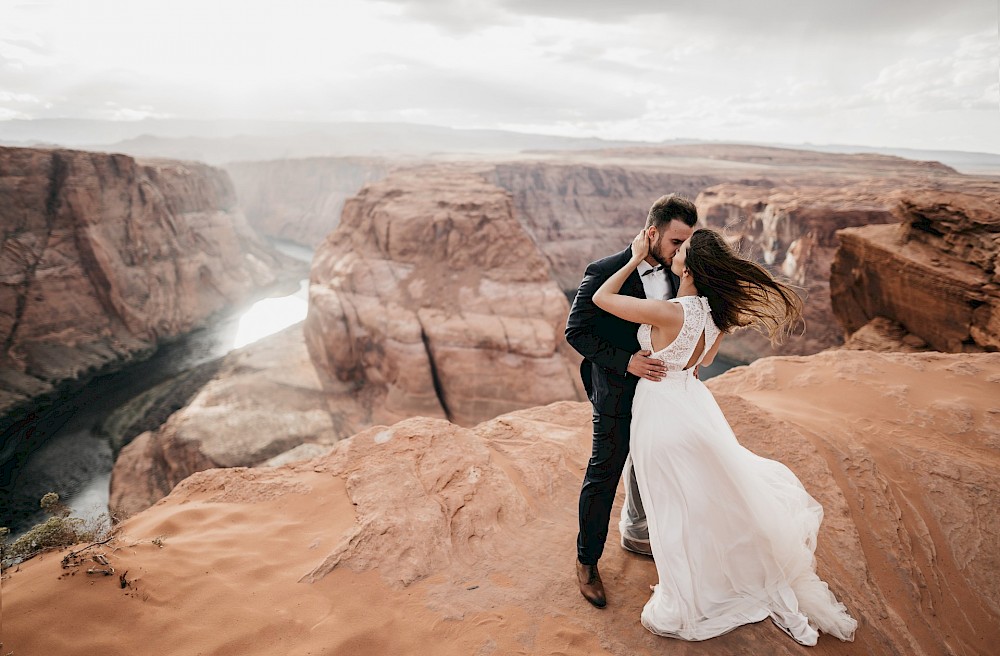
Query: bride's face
[677, 266]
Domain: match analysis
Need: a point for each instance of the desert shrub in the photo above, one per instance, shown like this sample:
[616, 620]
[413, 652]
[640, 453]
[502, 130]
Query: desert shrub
[59, 530]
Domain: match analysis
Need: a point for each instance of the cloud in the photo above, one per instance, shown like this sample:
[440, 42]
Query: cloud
[765, 17]
[454, 16]
[409, 89]
[633, 69]
[964, 79]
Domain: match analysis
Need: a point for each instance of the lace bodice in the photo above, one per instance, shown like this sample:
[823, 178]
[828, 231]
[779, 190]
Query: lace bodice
[697, 320]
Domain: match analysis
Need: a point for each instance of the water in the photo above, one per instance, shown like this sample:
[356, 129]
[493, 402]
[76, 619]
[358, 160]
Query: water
[68, 457]
[719, 365]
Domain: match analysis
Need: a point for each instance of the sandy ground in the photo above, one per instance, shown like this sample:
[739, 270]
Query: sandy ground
[428, 538]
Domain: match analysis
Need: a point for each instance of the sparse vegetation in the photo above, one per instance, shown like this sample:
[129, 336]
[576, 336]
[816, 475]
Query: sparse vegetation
[59, 530]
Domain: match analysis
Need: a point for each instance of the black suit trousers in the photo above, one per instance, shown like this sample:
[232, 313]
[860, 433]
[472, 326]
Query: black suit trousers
[604, 470]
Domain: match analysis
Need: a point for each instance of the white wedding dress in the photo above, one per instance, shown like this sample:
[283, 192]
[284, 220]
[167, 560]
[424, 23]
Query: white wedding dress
[732, 534]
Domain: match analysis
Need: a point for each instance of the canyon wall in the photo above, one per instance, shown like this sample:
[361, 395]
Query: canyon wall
[791, 229]
[578, 213]
[103, 256]
[935, 273]
[781, 207]
[301, 199]
[264, 400]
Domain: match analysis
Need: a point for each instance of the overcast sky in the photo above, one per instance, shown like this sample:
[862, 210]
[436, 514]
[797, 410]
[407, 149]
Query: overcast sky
[903, 73]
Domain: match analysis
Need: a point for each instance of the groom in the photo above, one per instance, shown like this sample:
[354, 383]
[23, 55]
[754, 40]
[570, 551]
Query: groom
[612, 365]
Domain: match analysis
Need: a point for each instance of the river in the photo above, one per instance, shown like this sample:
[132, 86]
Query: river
[67, 455]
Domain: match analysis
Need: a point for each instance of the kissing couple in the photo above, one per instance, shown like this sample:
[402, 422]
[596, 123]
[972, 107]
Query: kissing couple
[732, 534]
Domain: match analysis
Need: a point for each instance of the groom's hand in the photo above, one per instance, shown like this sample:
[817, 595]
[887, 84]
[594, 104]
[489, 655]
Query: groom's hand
[648, 368]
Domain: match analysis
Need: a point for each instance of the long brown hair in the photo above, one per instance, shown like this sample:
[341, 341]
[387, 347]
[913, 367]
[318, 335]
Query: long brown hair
[741, 293]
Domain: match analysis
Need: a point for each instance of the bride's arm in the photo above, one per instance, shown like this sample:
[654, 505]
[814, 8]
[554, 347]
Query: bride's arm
[712, 352]
[636, 310]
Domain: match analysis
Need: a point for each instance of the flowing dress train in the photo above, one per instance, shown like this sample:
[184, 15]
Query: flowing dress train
[733, 534]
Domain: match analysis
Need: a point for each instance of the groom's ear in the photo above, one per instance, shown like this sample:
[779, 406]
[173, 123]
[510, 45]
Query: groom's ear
[651, 233]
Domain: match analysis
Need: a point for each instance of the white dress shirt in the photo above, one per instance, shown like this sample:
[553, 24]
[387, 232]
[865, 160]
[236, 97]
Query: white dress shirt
[655, 282]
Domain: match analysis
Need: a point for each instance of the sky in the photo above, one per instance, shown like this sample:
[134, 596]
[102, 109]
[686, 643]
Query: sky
[887, 73]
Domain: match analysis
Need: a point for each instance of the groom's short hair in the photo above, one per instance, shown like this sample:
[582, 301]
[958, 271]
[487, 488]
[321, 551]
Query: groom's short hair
[670, 207]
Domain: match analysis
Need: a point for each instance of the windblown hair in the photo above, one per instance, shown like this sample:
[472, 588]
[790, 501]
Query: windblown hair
[741, 293]
[669, 208]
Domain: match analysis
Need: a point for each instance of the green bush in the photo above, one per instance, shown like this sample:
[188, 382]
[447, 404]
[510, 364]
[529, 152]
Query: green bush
[59, 530]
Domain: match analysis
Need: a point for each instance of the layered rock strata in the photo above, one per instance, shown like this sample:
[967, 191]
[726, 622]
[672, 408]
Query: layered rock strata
[429, 299]
[935, 273]
[103, 256]
[301, 199]
[427, 533]
[791, 229]
[783, 207]
[580, 212]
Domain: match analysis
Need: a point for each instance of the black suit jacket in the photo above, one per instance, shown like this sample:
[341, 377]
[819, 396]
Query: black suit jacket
[605, 341]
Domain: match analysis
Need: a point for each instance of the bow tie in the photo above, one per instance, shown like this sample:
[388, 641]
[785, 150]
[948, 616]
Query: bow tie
[655, 269]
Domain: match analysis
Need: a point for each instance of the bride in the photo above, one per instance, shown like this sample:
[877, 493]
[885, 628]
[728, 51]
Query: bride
[732, 534]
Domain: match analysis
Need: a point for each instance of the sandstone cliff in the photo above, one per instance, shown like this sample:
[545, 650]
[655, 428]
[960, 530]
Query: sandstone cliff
[103, 256]
[791, 229]
[782, 206]
[430, 299]
[935, 273]
[301, 199]
[581, 212]
[427, 533]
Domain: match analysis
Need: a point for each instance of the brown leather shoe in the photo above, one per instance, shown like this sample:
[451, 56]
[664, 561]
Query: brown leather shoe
[591, 585]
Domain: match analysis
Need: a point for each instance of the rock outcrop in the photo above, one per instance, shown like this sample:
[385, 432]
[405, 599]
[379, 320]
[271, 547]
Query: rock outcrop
[881, 334]
[427, 533]
[429, 299]
[301, 199]
[103, 256]
[935, 273]
[263, 400]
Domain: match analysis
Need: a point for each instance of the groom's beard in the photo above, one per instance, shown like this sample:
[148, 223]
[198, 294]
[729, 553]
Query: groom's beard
[657, 254]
